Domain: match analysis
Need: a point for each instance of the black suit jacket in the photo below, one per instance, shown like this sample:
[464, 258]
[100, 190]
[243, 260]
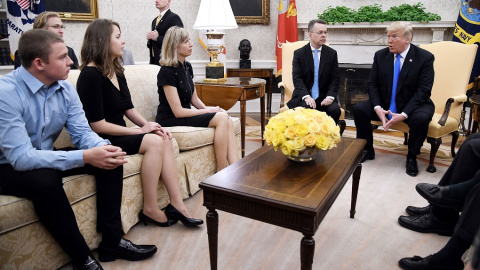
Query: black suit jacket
[303, 73]
[414, 82]
[168, 20]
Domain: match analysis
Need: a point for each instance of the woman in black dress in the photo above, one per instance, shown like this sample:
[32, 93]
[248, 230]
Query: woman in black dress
[177, 94]
[104, 93]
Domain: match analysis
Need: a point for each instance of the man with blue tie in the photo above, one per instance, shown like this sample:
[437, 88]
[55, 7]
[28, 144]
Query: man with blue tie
[399, 89]
[315, 73]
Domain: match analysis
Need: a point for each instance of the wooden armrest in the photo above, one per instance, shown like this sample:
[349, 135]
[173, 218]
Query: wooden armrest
[448, 105]
[281, 86]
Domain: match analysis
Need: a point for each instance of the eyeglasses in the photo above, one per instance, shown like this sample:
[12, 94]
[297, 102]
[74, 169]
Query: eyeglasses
[57, 26]
[320, 32]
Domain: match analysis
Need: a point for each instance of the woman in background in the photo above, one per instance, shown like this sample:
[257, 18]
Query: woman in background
[104, 92]
[177, 93]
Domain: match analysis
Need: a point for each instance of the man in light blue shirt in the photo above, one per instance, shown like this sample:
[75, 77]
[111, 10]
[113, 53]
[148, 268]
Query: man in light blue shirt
[35, 104]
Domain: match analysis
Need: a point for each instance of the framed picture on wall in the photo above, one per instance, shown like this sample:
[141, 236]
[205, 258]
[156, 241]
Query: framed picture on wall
[251, 11]
[75, 10]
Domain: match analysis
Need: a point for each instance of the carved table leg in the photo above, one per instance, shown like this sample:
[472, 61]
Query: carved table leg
[307, 250]
[212, 231]
[355, 183]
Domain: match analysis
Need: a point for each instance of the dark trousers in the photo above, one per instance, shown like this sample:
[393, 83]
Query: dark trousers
[44, 188]
[332, 110]
[417, 121]
[465, 166]
[469, 220]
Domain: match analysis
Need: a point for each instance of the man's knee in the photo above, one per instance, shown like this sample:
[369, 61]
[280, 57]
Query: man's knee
[360, 111]
[420, 119]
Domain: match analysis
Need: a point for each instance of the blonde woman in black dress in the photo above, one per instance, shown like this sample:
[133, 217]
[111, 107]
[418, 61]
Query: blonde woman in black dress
[104, 92]
[177, 95]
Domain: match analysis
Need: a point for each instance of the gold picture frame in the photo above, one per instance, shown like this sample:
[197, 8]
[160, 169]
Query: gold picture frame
[251, 11]
[74, 10]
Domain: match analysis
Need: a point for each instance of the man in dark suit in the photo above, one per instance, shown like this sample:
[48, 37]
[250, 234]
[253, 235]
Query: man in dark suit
[405, 72]
[160, 25]
[315, 73]
[457, 191]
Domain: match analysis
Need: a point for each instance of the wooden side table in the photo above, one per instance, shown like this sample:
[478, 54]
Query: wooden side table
[263, 73]
[225, 95]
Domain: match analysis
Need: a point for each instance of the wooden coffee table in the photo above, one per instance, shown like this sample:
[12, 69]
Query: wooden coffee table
[268, 187]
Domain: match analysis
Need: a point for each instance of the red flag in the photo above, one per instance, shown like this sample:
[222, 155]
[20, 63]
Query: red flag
[287, 29]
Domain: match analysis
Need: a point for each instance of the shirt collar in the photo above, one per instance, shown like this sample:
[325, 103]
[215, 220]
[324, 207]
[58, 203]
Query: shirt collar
[315, 49]
[163, 12]
[404, 53]
[33, 83]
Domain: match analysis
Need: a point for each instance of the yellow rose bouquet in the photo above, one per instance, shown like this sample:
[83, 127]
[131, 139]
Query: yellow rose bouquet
[296, 129]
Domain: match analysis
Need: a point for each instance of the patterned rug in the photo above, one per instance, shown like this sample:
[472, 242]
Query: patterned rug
[381, 142]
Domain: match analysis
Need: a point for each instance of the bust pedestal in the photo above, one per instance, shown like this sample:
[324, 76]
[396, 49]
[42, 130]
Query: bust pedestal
[245, 63]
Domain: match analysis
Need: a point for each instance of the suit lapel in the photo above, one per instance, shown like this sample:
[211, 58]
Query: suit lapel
[389, 65]
[309, 56]
[163, 18]
[323, 60]
[407, 65]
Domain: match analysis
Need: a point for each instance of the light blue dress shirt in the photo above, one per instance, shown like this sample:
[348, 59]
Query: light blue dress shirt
[32, 116]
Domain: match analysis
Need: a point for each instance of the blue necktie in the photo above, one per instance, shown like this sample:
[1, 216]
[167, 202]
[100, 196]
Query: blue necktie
[315, 74]
[396, 73]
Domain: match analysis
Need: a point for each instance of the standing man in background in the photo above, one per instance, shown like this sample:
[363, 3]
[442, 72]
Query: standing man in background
[50, 21]
[160, 25]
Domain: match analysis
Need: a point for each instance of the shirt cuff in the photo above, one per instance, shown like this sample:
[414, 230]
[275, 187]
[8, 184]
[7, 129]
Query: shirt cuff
[330, 97]
[377, 107]
[75, 158]
[304, 97]
[404, 114]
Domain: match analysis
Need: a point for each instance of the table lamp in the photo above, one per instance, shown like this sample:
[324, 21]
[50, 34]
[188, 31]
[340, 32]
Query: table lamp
[216, 15]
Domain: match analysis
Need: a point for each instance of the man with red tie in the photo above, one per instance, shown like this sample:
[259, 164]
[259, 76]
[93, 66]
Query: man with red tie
[399, 89]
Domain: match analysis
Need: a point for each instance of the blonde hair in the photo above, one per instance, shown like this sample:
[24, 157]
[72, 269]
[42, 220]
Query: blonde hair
[42, 18]
[406, 27]
[96, 47]
[173, 38]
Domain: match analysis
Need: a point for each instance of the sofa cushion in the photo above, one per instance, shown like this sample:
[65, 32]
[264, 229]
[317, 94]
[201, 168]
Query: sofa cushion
[189, 138]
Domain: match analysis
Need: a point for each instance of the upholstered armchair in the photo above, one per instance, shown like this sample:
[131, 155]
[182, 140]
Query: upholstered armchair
[453, 64]
[286, 85]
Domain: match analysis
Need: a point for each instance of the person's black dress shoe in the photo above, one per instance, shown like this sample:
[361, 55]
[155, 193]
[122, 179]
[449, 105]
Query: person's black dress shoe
[427, 224]
[126, 250]
[144, 218]
[89, 264]
[412, 167]
[173, 214]
[437, 195]
[417, 262]
[368, 155]
[417, 211]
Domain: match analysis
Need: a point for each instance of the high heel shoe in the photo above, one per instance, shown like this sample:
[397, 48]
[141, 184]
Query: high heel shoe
[144, 218]
[173, 214]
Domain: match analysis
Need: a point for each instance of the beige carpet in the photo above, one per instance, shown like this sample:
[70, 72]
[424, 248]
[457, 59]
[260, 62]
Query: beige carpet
[373, 240]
